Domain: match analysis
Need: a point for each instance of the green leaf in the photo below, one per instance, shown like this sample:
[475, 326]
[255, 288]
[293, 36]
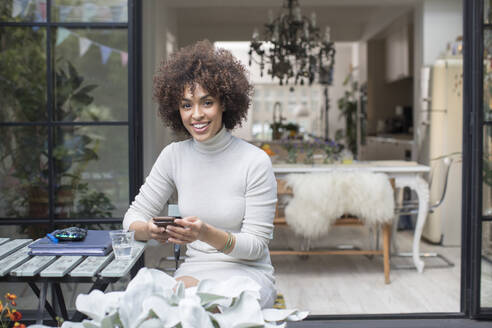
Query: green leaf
[82, 98]
[88, 88]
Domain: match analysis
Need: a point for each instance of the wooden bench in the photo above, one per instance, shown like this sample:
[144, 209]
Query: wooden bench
[344, 221]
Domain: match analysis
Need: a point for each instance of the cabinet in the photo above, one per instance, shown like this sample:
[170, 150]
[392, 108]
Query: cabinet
[398, 53]
[386, 148]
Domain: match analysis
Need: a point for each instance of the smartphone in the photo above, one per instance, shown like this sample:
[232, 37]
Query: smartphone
[164, 221]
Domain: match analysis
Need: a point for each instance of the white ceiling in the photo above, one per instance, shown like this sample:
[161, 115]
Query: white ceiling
[234, 20]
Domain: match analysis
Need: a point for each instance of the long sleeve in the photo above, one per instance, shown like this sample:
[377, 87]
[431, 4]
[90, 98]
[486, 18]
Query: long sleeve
[261, 197]
[155, 192]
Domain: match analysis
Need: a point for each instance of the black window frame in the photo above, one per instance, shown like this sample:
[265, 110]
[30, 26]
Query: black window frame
[134, 120]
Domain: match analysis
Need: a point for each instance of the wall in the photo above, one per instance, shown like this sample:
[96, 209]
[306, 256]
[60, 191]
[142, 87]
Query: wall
[344, 60]
[159, 40]
[442, 23]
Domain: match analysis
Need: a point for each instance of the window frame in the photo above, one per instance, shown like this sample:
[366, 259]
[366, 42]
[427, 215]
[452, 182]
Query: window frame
[134, 117]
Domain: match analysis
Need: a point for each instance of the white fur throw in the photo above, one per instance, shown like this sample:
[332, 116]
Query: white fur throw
[321, 198]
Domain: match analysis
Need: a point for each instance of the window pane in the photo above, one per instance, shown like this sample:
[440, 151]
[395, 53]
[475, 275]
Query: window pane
[487, 11]
[23, 171]
[487, 75]
[23, 74]
[23, 10]
[486, 279]
[91, 165]
[487, 172]
[91, 80]
[94, 11]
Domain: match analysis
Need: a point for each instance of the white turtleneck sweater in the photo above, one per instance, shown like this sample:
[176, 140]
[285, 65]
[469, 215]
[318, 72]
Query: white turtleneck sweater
[227, 183]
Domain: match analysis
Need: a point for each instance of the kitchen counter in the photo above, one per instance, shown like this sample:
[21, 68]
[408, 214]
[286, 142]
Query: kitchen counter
[387, 147]
[401, 137]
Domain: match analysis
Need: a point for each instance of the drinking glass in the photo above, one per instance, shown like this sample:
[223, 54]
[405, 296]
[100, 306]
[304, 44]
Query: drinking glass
[122, 242]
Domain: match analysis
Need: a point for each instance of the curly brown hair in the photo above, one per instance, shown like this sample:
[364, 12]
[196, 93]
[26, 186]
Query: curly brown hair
[216, 70]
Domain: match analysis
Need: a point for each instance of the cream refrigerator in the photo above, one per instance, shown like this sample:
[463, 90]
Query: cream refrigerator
[444, 132]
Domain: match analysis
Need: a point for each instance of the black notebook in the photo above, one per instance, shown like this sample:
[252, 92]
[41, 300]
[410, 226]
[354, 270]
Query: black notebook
[96, 243]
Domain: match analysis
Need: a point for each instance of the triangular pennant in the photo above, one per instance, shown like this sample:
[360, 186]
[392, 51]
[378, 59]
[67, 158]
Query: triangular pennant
[37, 16]
[105, 53]
[41, 9]
[19, 7]
[84, 45]
[64, 11]
[89, 10]
[124, 58]
[116, 12]
[16, 8]
[61, 34]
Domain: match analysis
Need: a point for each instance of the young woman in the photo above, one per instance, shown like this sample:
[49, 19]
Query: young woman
[226, 187]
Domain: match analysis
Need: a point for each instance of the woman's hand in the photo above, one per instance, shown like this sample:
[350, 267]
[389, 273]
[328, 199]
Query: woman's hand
[157, 233]
[190, 229]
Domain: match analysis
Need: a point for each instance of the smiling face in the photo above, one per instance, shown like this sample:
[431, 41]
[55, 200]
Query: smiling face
[201, 113]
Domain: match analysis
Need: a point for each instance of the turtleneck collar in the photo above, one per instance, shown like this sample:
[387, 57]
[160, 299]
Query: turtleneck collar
[217, 143]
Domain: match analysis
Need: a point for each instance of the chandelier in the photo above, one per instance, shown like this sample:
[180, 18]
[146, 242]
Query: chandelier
[293, 48]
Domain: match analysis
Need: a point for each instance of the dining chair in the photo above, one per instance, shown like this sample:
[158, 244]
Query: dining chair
[440, 168]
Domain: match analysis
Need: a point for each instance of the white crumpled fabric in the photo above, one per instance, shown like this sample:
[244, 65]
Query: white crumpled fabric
[152, 301]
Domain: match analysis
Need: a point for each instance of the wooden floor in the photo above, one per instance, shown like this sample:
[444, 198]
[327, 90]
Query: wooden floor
[355, 284]
[335, 284]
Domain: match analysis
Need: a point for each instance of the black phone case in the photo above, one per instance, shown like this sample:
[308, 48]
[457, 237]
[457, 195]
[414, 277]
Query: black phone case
[164, 221]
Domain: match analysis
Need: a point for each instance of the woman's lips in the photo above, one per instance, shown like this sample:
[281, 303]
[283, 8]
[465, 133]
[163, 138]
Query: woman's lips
[200, 128]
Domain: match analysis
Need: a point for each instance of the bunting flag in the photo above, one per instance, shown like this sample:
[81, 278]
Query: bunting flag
[19, 7]
[61, 34]
[124, 58]
[105, 53]
[84, 45]
[23, 7]
[41, 9]
[37, 18]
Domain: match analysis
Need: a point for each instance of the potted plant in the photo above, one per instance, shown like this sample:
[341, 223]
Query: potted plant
[348, 110]
[293, 129]
[277, 130]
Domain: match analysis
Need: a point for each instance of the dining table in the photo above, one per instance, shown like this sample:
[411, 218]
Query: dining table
[405, 174]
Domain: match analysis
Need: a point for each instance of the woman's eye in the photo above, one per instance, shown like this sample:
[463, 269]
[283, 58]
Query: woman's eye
[209, 102]
[186, 106]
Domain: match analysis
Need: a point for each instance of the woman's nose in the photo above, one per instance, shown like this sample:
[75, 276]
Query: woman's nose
[197, 112]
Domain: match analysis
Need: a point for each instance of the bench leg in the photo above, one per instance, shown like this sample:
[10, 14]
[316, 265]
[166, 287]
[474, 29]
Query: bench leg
[47, 305]
[61, 301]
[386, 251]
[41, 304]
